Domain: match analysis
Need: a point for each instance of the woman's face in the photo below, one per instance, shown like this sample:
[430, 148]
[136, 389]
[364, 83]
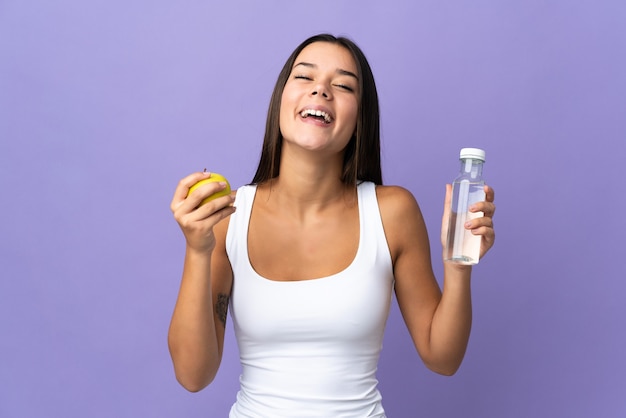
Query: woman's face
[320, 100]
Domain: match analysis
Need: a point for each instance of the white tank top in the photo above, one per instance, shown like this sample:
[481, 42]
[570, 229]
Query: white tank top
[310, 348]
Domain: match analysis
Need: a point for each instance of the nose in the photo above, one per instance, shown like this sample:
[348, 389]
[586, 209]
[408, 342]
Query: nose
[321, 91]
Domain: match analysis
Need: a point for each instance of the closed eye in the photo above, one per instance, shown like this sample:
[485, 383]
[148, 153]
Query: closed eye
[345, 87]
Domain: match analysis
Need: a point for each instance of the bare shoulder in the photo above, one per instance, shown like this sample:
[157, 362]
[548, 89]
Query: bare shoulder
[396, 201]
[402, 220]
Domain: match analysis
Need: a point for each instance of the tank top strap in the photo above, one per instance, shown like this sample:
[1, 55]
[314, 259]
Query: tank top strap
[373, 237]
[238, 225]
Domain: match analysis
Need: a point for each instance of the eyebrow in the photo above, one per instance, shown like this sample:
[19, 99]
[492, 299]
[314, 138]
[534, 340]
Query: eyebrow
[338, 71]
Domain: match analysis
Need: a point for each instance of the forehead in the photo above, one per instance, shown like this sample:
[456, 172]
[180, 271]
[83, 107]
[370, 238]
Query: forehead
[325, 54]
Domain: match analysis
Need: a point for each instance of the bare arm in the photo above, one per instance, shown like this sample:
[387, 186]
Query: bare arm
[439, 323]
[196, 334]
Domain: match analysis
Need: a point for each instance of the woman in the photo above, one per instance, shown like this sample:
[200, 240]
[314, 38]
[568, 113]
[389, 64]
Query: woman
[311, 257]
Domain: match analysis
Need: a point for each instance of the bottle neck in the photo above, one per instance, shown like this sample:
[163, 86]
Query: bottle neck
[472, 168]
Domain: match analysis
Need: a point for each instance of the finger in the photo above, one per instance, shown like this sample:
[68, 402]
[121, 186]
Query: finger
[490, 194]
[486, 232]
[447, 203]
[198, 195]
[205, 217]
[488, 236]
[481, 226]
[487, 208]
[477, 223]
[182, 189]
[208, 209]
[448, 199]
[206, 221]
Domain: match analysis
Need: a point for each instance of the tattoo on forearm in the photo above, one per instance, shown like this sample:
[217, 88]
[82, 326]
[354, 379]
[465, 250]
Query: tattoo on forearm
[221, 307]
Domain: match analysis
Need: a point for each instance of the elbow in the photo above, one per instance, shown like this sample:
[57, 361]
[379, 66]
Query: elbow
[444, 368]
[443, 362]
[190, 387]
[450, 371]
[194, 384]
[193, 375]
[193, 372]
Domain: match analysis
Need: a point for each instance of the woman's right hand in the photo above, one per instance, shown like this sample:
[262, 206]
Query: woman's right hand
[197, 222]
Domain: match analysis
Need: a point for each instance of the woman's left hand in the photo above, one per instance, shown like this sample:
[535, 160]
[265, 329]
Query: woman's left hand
[482, 226]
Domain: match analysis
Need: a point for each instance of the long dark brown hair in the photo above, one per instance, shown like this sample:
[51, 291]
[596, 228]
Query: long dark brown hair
[362, 154]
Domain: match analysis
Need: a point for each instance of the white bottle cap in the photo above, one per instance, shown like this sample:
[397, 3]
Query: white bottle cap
[473, 153]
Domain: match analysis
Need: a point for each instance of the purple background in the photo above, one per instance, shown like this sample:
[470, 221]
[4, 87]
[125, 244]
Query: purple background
[104, 105]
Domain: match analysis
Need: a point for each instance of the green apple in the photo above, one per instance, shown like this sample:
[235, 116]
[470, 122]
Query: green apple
[214, 177]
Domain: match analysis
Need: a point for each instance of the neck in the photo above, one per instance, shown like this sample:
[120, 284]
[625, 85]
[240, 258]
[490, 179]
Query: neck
[308, 184]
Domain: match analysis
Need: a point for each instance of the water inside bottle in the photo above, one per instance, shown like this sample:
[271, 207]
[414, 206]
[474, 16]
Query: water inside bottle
[462, 246]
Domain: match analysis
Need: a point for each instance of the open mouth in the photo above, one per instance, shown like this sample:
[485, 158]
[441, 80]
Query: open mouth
[318, 114]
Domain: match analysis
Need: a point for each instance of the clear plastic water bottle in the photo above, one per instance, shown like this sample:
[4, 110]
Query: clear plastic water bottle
[462, 246]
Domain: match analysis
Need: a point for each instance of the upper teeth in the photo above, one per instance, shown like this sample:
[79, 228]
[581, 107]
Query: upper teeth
[310, 112]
